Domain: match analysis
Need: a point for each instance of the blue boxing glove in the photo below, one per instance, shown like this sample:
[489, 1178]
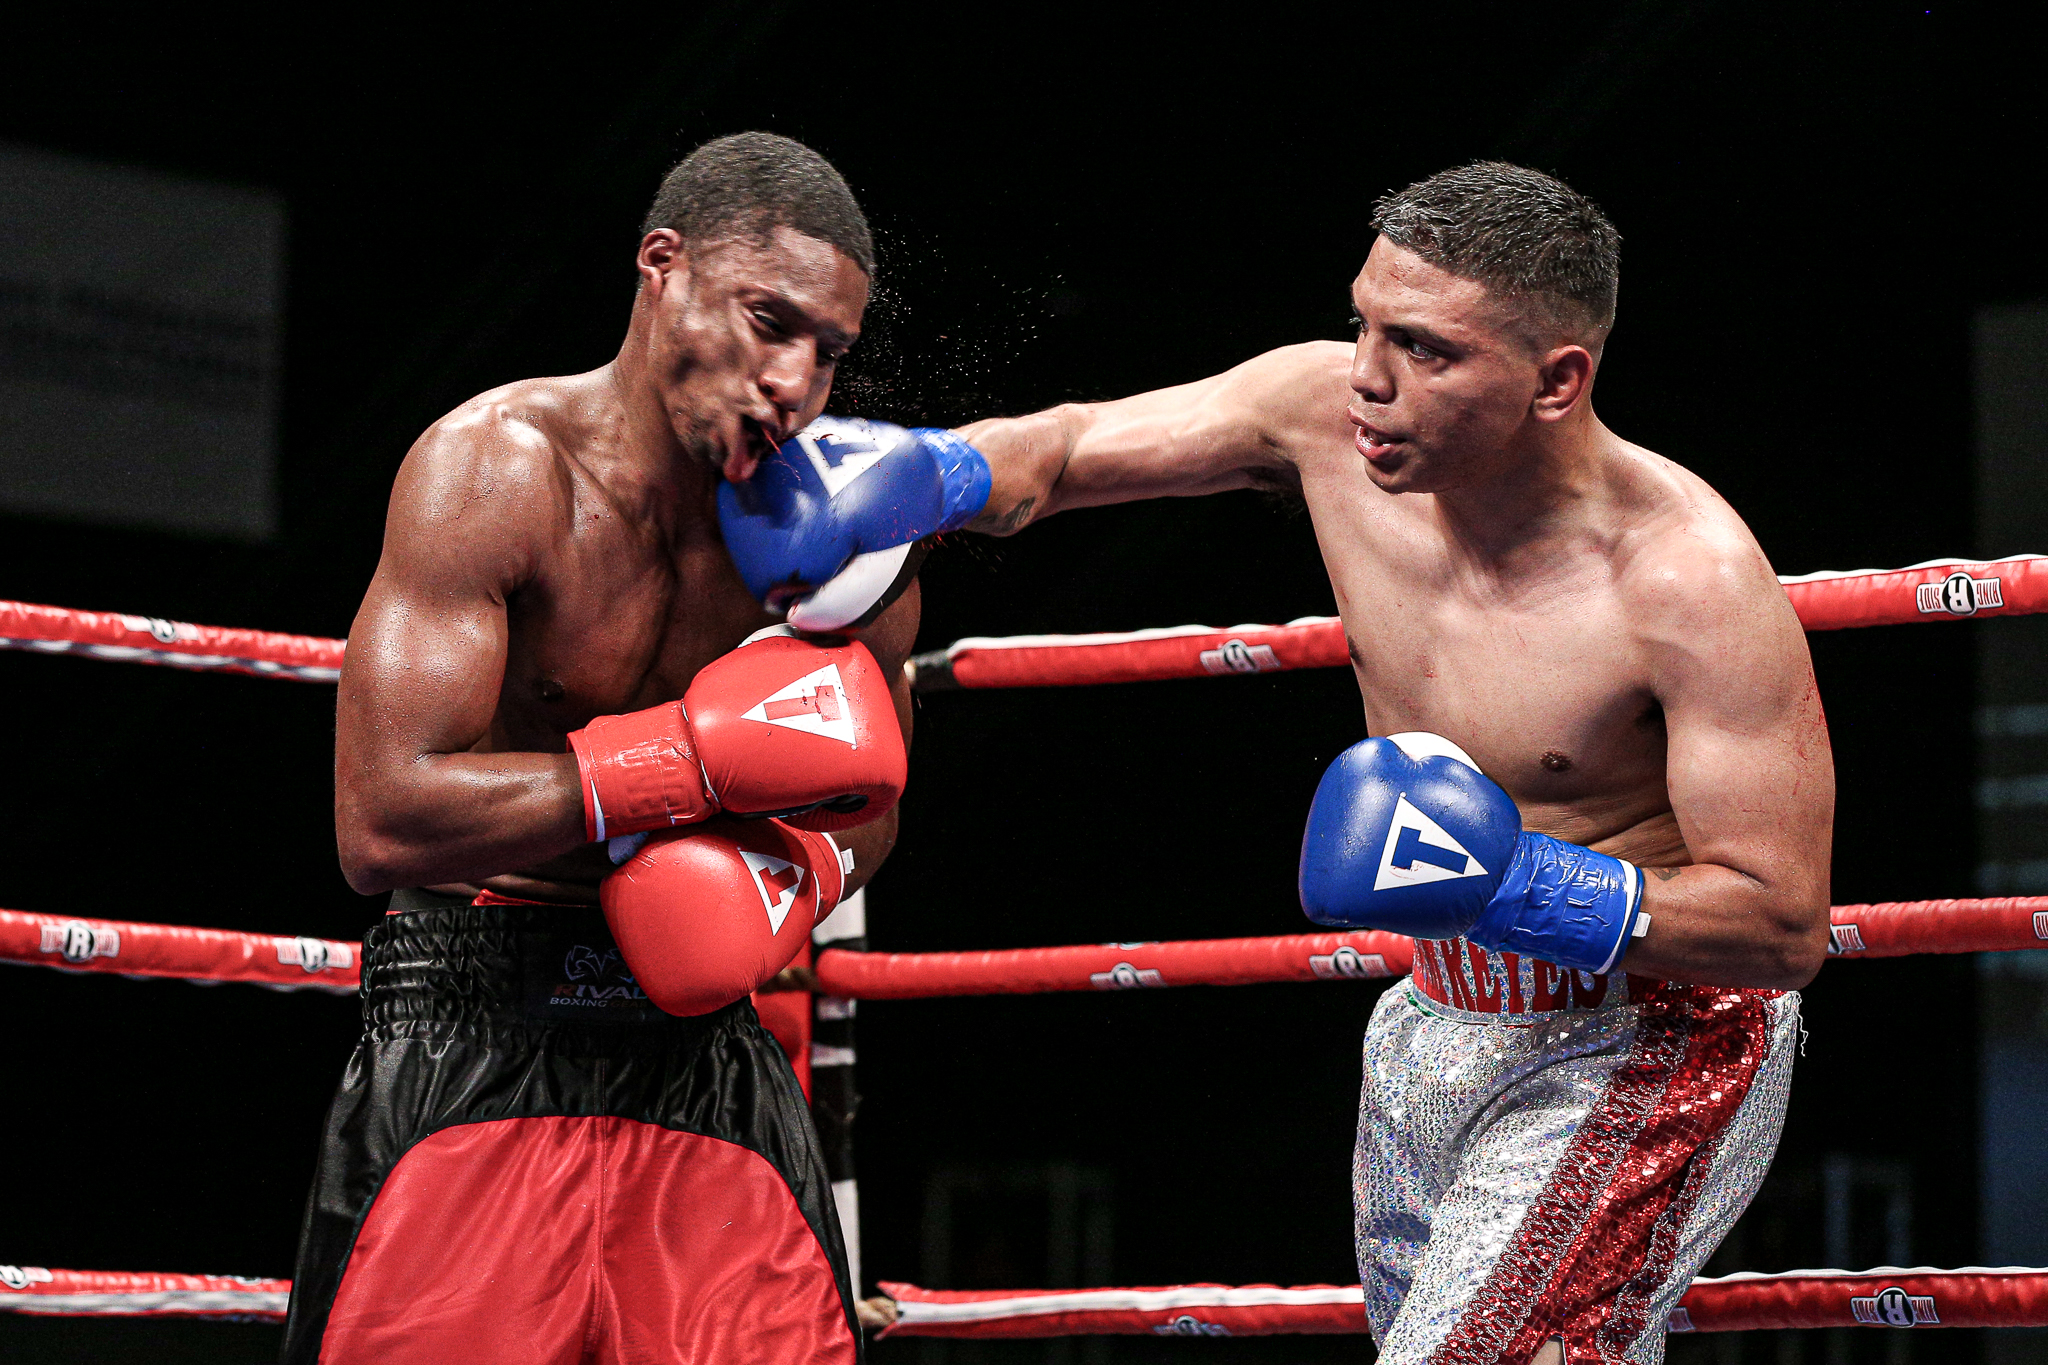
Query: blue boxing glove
[824, 530]
[1407, 835]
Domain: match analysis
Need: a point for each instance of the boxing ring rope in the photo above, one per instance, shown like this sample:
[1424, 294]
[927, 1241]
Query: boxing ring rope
[2011, 1296]
[175, 644]
[279, 962]
[1888, 1296]
[114, 1293]
[203, 956]
[1937, 590]
[1831, 599]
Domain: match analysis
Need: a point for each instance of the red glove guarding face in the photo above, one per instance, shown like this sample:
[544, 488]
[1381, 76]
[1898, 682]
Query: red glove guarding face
[780, 725]
[706, 916]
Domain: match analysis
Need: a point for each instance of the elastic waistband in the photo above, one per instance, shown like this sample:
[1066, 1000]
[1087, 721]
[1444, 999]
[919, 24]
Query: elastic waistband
[507, 965]
[1469, 982]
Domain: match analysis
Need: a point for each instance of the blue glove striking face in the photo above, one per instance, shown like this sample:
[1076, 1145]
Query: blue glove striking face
[1407, 835]
[840, 491]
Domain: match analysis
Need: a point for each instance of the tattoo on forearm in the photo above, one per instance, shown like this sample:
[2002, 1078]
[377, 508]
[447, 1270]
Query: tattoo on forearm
[1665, 874]
[1015, 517]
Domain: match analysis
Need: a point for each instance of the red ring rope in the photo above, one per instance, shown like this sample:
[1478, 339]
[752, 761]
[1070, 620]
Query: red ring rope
[1824, 601]
[169, 950]
[151, 640]
[113, 1293]
[1895, 929]
[2014, 1296]
[1938, 590]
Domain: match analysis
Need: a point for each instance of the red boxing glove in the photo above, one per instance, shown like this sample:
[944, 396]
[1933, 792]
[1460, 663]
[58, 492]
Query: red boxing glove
[707, 916]
[780, 726]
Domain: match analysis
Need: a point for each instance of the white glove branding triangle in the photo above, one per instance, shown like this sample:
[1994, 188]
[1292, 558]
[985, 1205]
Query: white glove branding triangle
[1418, 850]
[840, 450]
[814, 704]
[778, 881]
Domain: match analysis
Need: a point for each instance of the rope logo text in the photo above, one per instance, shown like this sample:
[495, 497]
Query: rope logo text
[1959, 595]
[1125, 977]
[1235, 656]
[1348, 962]
[78, 941]
[1894, 1307]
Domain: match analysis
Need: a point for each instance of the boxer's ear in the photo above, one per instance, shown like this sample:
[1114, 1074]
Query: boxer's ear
[1563, 381]
[661, 261]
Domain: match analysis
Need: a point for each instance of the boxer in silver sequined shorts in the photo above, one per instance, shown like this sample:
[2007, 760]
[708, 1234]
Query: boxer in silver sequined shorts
[1548, 1155]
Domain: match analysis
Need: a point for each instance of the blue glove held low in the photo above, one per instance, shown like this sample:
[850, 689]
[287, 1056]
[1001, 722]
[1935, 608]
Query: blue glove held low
[841, 490]
[1563, 903]
[1407, 835]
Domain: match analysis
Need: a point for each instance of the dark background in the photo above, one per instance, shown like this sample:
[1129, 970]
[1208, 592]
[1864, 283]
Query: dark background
[1072, 203]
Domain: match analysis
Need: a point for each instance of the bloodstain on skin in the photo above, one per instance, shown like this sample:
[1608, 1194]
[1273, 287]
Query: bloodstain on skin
[1555, 761]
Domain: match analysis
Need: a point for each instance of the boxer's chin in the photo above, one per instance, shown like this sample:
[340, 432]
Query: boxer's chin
[1408, 476]
[702, 446]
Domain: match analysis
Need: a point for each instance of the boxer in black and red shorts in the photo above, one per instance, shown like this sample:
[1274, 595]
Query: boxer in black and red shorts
[520, 1114]
[565, 1135]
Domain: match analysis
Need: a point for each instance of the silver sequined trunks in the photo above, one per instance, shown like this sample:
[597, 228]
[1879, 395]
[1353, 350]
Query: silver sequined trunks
[1560, 1175]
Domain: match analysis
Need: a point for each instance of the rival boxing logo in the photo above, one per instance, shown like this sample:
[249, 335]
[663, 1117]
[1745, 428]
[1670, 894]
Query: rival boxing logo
[584, 963]
[78, 941]
[1894, 1307]
[814, 704]
[22, 1276]
[1959, 595]
[1348, 962]
[595, 979]
[1845, 938]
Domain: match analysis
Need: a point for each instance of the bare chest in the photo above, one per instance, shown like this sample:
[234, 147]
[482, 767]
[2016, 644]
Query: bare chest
[615, 622]
[1538, 678]
[1544, 702]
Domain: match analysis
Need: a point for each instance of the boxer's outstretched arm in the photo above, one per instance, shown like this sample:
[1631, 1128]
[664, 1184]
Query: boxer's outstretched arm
[1240, 429]
[413, 805]
[1749, 769]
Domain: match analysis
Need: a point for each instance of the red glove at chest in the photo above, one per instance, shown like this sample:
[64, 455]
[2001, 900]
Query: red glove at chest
[707, 916]
[779, 726]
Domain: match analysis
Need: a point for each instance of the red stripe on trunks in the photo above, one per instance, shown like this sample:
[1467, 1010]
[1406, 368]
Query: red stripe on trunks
[1600, 1238]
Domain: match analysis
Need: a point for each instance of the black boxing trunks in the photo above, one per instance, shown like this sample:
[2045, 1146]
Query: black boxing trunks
[527, 1163]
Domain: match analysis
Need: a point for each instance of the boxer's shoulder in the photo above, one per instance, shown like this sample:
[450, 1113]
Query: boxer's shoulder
[1683, 557]
[511, 457]
[1309, 374]
[1296, 396]
[503, 445]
